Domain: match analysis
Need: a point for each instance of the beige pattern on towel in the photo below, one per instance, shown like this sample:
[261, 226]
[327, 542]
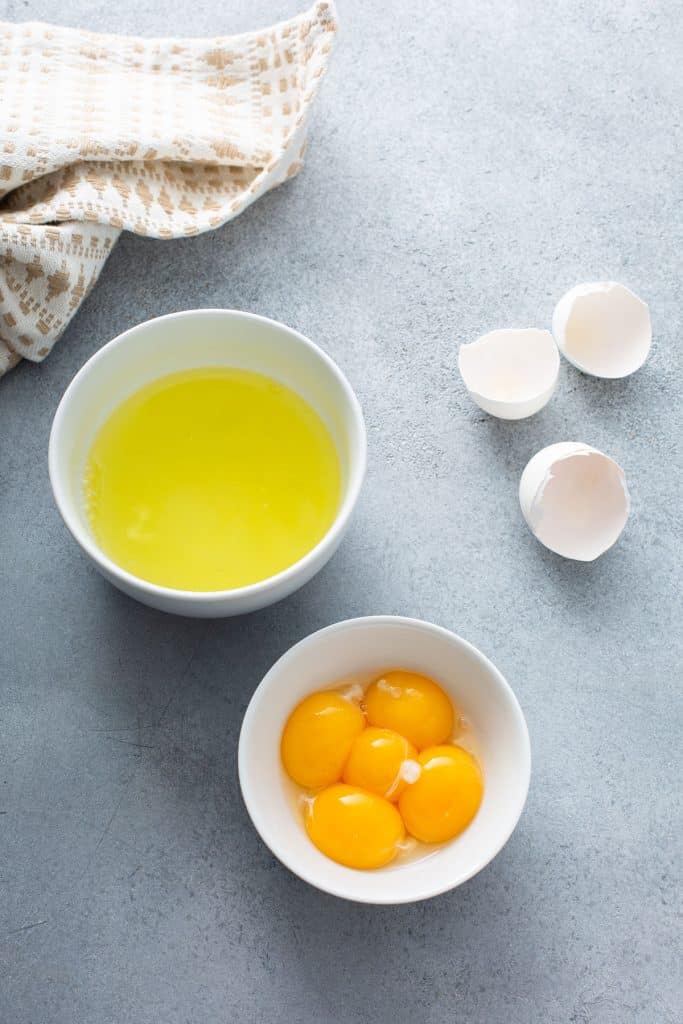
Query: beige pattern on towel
[163, 137]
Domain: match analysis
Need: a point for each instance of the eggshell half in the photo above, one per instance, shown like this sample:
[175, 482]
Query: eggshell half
[603, 329]
[574, 499]
[510, 373]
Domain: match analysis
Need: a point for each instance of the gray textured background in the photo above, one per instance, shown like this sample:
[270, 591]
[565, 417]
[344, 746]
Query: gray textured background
[468, 163]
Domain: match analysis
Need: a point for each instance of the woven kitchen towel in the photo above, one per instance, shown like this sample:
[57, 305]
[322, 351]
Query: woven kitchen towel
[163, 137]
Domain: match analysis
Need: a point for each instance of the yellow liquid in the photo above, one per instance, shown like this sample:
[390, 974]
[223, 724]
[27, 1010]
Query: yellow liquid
[211, 479]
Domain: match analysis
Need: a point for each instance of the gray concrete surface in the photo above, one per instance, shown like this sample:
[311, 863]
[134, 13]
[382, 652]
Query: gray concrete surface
[468, 163]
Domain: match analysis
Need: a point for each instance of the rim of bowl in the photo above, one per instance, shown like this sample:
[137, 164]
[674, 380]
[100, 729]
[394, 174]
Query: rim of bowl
[357, 467]
[259, 820]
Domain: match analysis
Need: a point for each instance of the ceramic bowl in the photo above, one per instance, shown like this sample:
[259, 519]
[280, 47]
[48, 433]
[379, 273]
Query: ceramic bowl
[371, 645]
[181, 341]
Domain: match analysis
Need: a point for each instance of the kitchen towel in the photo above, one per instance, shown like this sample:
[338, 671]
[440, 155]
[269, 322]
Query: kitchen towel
[163, 137]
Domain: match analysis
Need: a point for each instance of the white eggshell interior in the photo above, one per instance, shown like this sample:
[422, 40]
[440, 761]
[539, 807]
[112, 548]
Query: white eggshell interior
[581, 505]
[603, 329]
[510, 373]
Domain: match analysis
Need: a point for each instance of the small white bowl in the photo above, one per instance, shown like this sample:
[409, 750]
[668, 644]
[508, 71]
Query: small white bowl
[182, 341]
[370, 645]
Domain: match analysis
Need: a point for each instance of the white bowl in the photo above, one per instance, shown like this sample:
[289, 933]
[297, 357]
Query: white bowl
[181, 341]
[371, 645]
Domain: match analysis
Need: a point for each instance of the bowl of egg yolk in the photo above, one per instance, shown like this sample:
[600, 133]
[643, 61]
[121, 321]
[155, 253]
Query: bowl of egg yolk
[384, 760]
[208, 462]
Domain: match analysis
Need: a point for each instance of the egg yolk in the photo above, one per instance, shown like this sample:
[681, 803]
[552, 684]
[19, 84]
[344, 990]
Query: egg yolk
[445, 798]
[377, 762]
[354, 827]
[412, 705]
[317, 738]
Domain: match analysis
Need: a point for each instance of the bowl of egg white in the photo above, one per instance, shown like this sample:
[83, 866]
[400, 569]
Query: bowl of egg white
[384, 760]
[208, 462]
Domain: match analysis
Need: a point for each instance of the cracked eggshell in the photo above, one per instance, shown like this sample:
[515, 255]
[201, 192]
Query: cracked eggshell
[510, 373]
[603, 329]
[574, 499]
